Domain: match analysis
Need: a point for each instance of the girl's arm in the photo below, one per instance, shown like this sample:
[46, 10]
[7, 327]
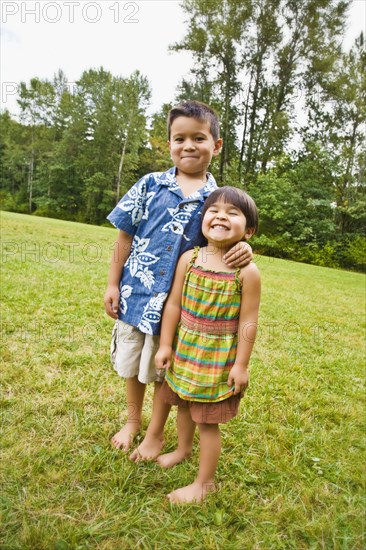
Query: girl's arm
[248, 322]
[121, 252]
[171, 313]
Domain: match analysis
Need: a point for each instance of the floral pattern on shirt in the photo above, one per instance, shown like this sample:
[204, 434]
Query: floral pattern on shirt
[138, 202]
[125, 292]
[140, 260]
[152, 313]
[180, 217]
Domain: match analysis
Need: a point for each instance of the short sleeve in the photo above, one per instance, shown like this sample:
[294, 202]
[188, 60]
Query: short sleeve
[131, 209]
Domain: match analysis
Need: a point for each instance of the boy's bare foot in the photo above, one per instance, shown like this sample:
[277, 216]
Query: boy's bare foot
[124, 438]
[172, 459]
[149, 449]
[195, 492]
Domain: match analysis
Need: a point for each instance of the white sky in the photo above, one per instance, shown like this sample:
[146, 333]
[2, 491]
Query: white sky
[39, 37]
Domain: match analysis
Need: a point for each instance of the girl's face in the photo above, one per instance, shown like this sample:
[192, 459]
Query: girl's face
[225, 224]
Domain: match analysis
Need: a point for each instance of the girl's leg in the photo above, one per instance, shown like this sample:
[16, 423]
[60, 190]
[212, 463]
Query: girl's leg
[185, 428]
[154, 438]
[135, 392]
[210, 449]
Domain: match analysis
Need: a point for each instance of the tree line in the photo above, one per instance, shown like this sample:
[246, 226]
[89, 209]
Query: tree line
[292, 105]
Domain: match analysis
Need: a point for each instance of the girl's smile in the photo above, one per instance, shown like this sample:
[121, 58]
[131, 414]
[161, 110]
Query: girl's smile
[220, 227]
[224, 224]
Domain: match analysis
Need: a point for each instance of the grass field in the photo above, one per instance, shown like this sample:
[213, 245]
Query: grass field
[291, 474]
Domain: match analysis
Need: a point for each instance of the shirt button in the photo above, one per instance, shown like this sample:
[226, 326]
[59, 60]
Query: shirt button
[169, 247]
[162, 272]
[181, 206]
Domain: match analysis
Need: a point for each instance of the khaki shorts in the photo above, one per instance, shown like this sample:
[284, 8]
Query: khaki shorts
[133, 353]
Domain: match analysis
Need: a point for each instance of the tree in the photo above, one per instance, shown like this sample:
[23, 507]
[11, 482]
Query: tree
[131, 121]
[214, 29]
[155, 157]
[336, 121]
[14, 139]
[105, 126]
[37, 104]
[250, 59]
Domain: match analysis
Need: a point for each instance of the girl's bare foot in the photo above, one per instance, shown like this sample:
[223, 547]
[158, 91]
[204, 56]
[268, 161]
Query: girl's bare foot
[172, 459]
[195, 492]
[124, 438]
[149, 449]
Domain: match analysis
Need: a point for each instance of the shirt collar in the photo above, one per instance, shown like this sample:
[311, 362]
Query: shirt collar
[168, 179]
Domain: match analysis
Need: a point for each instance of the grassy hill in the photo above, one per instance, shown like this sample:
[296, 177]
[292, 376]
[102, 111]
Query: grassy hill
[291, 470]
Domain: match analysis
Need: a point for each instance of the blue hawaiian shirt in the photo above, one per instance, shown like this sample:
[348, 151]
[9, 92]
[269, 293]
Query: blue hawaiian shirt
[164, 224]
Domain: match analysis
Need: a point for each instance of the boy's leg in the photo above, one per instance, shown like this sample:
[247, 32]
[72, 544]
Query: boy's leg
[185, 428]
[210, 449]
[154, 439]
[135, 391]
[126, 349]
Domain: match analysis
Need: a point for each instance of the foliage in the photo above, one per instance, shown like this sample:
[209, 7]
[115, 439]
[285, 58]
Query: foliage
[75, 153]
[251, 60]
[156, 157]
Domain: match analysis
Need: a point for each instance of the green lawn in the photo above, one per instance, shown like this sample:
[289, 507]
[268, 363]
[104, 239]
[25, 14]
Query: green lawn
[291, 474]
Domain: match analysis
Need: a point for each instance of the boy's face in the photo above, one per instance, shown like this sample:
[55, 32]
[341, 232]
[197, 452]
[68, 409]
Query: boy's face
[192, 146]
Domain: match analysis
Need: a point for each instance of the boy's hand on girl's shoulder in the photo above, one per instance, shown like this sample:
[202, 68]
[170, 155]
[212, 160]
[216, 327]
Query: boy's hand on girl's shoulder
[162, 358]
[238, 377]
[111, 301]
[239, 255]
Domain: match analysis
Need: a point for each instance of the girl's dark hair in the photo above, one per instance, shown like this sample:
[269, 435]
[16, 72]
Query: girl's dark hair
[238, 198]
[199, 111]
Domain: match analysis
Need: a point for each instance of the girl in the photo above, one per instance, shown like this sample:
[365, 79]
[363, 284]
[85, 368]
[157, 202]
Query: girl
[215, 313]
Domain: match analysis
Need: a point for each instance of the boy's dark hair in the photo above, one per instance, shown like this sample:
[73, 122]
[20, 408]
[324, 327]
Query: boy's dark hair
[238, 198]
[199, 111]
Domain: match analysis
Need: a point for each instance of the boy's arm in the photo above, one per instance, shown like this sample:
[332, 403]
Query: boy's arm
[239, 255]
[247, 330]
[121, 251]
[171, 313]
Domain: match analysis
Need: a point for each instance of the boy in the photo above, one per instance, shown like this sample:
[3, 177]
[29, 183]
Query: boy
[159, 219]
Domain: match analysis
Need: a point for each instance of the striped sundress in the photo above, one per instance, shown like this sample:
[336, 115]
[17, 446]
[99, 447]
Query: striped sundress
[206, 341]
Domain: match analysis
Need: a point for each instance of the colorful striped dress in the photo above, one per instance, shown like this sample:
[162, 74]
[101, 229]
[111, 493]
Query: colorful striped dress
[207, 335]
